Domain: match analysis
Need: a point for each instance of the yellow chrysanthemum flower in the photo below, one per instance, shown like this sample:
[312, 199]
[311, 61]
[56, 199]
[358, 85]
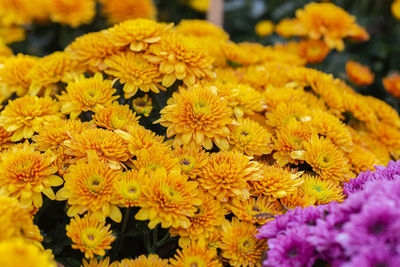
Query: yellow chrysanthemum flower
[90, 187]
[129, 188]
[239, 245]
[90, 235]
[191, 159]
[85, 94]
[26, 115]
[314, 51]
[109, 146]
[395, 8]
[385, 112]
[135, 72]
[114, 116]
[5, 139]
[322, 191]
[18, 252]
[237, 55]
[250, 138]
[197, 116]
[93, 262]
[361, 159]
[392, 84]
[168, 199]
[138, 34]
[248, 101]
[196, 254]
[276, 182]
[201, 28]
[297, 199]
[145, 159]
[25, 174]
[142, 105]
[359, 74]
[289, 27]
[72, 12]
[120, 10]
[181, 58]
[13, 75]
[209, 217]
[199, 5]
[264, 28]
[284, 112]
[227, 173]
[152, 260]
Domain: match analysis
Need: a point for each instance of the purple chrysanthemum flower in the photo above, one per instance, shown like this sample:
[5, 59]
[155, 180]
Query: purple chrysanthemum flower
[378, 255]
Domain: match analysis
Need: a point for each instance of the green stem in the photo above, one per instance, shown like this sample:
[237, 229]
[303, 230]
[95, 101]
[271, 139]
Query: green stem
[147, 243]
[155, 238]
[125, 222]
[163, 240]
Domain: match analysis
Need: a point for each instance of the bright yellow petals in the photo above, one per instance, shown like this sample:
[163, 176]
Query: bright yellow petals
[191, 159]
[321, 191]
[392, 84]
[201, 28]
[250, 138]
[197, 116]
[26, 115]
[239, 245]
[152, 260]
[129, 188]
[85, 94]
[146, 159]
[135, 72]
[395, 8]
[248, 101]
[25, 174]
[289, 27]
[142, 105]
[297, 199]
[359, 74]
[314, 51]
[196, 254]
[276, 182]
[90, 235]
[168, 199]
[120, 10]
[284, 112]
[264, 28]
[114, 116]
[227, 173]
[72, 12]
[361, 159]
[90, 187]
[93, 262]
[5, 139]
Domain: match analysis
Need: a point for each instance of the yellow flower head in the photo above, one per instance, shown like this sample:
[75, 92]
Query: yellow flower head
[129, 188]
[168, 199]
[114, 116]
[314, 51]
[90, 235]
[392, 84]
[146, 159]
[297, 199]
[181, 58]
[191, 159]
[86, 94]
[284, 112]
[276, 182]
[264, 28]
[197, 116]
[248, 101]
[5, 139]
[395, 8]
[93, 262]
[250, 138]
[135, 72]
[138, 34]
[199, 5]
[362, 159]
[240, 246]
[201, 28]
[109, 146]
[19, 252]
[13, 75]
[237, 55]
[90, 187]
[142, 105]
[152, 260]
[289, 27]
[196, 254]
[359, 74]
[26, 115]
[25, 174]
[72, 12]
[120, 10]
[322, 191]
[227, 173]
[359, 108]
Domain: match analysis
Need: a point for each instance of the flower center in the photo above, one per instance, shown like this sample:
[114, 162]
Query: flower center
[292, 253]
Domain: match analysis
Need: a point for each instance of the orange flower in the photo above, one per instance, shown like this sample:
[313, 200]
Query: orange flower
[392, 84]
[114, 116]
[120, 10]
[314, 51]
[196, 254]
[72, 12]
[191, 159]
[359, 74]
[129, 188]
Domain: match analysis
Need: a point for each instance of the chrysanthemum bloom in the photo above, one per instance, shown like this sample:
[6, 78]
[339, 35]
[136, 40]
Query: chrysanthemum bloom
[142, 105]
[50, 70]
[361, 159]
[13, 75]
[72, 12]
[86, 94]
[12, 34]
[137, 34]
[201, 28]
[264, 28]
[326, 159]
[197, 116]
[392, 84]
[240, 246]
[250, 138]
[152, 260]
[387, 135]
[237, 55]
[297, 199]
[146, 159]
[191, 159]
[109, 146]
[322, 191]
[168, 199]
[181, 58]
[289, 27]
[121, 10]
[135, 72]
[285, 111]
[227, 173]
[359, 74]
[129, 188]
[314, 51]
[209, 217]
[199, 5]
[19, 252]
[395, 8]
[196, 254]
[385, 112]
[90, 235]
[90, 187]
[358, 106]
[91, 49]
[25, 174]
[254, 210]
[93, 262]
[114, 116]
[26, 115]
[248, 101]
[5, 139]
[276, 182]
[16, 221]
